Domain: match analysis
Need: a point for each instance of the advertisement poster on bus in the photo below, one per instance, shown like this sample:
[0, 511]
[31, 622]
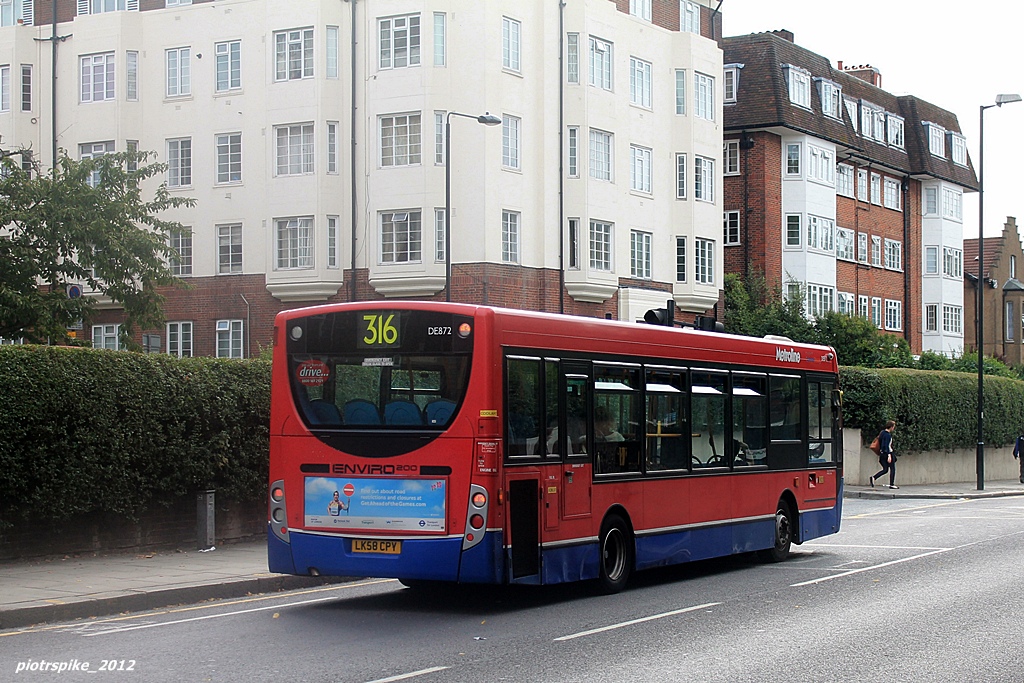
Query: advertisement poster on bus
[346, 503]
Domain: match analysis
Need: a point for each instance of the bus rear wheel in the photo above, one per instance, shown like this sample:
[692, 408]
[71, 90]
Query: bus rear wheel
[616, 561]
[783, 534]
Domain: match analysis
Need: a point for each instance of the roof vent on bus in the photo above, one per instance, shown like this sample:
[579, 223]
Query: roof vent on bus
[779, 338]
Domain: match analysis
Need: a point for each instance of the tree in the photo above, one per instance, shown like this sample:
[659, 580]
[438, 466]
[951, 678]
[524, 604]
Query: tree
[84, 223]
[754, 309]
[858, 342]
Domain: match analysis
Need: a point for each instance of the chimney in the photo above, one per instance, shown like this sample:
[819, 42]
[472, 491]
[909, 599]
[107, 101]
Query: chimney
[864, 72]
[784, 34]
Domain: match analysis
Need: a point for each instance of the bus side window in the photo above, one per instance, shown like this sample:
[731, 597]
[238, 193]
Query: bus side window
[616, 425]
[707, 413]
[666, 448]
[524, 424]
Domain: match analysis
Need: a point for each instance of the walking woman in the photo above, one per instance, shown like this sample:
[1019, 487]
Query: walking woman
[886, 458]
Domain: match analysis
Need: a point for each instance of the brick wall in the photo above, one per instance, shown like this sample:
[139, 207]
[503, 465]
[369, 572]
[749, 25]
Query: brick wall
[173, 526]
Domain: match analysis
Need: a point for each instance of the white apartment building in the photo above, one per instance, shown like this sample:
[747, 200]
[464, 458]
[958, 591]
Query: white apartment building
[312, 136]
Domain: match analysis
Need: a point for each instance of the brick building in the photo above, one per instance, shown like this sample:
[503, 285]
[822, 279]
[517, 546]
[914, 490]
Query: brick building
[1002, 294]
[843, 193]
[312, 136]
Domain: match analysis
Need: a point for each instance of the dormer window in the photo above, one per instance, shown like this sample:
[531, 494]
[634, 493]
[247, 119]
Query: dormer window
[894, 130]
[936, 139]
[730, 82]
[799, 85]
[831, 98]
[958, 145]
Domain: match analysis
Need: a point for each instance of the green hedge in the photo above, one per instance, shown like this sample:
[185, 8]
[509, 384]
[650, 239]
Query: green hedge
[934, 410]
[85, 430]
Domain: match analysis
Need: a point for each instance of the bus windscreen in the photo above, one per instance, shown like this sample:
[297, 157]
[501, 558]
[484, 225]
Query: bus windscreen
[377, 370]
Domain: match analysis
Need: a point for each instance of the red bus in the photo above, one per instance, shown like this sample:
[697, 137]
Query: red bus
[452, 442]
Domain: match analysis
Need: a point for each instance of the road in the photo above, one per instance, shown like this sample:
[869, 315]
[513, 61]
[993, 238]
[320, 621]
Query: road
[910, 590]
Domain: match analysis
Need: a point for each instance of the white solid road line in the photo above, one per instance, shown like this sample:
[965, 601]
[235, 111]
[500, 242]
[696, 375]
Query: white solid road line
[868, 569]
[411, 674]
[612, 627]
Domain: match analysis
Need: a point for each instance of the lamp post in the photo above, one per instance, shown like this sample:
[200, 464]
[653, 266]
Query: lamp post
[487, 119]
[1000, 101]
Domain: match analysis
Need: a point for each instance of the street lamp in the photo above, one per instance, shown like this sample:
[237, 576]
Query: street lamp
[487, 119]
[1000, 101]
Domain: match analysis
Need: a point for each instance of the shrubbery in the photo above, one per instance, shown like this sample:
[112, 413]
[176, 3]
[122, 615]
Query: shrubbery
[86, 430]
[934, 410]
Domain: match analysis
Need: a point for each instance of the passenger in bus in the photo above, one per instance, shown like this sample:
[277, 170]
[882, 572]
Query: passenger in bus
[604, 426]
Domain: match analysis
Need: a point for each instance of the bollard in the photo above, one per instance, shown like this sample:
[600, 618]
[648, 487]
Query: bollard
[205, 519]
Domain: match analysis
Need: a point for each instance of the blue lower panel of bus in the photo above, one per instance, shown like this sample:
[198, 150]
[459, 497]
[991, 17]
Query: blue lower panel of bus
[436, 559]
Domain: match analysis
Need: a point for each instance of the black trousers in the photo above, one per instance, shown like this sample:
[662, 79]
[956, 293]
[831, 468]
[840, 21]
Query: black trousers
[890, 467]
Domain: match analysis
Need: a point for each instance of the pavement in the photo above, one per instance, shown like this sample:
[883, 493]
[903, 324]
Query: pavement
[74, 587]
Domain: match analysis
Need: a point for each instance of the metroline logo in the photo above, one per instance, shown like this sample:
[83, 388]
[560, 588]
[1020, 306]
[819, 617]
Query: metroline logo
[787, 355]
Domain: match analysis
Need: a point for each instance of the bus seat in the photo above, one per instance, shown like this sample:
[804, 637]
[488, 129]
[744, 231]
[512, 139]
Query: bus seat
[359, 411]
[439, 411]
[402, 412]
[321, 412]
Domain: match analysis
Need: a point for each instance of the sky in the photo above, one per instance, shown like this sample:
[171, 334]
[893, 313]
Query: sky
[957, 56]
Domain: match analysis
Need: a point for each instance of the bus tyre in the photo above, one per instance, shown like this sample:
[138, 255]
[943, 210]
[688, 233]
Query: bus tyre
[616, 560]
[783, 534]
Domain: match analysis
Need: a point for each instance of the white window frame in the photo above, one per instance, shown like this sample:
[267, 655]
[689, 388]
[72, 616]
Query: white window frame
[863, 307]
[862, 247]
[331, 49]
[931, 317]
[892, 196]
[229, 157]
[107, 337]
[931, 260]
[703, 96]
[953, 263]
[730, 228]
[179, 162]
[876, 251]
[440, 39]
[819, 300]
[893, 255]
[178, 71]
[845, 244]
[572, 58]
[228, 65]
[952, 203]
[703, 179]
[179, 338]
[844, 180]
[640, 254]
[293, 243]
[640, 9]
[876, 189]
[439, 238]
[845, 303]
[731, 157]
[333, 243]
[893, 315]
[5, 88]
[601, 154]
[573, 151]
[230, 336]
[601, 52]
[400, 139]
[399, 41]
[640, 82]
[799, 81]
[876, 311]
[862, 184]
[930, 202]
[511, 127]
[332, 147]
[294, 149]
[640, 169]
[681, 92]
[293, 54]
[510, 234]
[689, 17]
[703, 261]
[181, 242]
[601, 234]
[831, 95]
[97, 72]
[573, 239]
[894, 130]
[794, 159]
[681, 258]
[794, 230]
[958, 147]
[681, 175]
[952, 319]
[131, 75]
[401, 237]
[229, 248]
[730, 82]
[936, 139]
[511, 44]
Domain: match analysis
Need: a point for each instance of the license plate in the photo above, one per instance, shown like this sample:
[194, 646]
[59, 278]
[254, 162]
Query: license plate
[367, 545]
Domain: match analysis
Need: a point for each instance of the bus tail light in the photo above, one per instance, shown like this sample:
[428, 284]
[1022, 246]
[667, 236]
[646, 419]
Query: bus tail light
[476, 516]
[278, 512]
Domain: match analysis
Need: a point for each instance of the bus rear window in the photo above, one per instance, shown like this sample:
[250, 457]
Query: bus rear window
[414, 379]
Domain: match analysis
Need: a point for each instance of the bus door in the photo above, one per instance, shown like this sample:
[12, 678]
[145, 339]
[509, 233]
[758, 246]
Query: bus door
[524, 524]
[576, 463]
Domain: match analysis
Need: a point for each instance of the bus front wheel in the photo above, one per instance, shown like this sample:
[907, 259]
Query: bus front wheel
[616, 555]
[783, 534]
